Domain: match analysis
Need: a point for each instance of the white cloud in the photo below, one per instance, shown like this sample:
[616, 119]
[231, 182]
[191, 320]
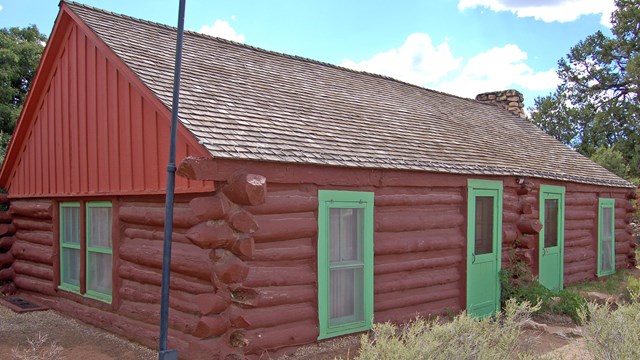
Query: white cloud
[547, 10]
[222, 29]
[420, 62]
[417, 61]
[499, 68]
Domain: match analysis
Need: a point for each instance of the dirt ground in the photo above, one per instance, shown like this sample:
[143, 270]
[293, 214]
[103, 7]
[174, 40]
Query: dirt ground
[79, 341]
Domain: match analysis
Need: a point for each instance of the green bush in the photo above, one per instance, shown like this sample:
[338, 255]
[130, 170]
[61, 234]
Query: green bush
[612, 334]
[519, 284]
[464, 337]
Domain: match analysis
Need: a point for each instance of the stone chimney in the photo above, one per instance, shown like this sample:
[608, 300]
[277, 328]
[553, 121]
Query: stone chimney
[510, 100]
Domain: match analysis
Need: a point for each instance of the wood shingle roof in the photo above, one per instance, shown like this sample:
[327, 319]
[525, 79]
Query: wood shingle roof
[242, 102]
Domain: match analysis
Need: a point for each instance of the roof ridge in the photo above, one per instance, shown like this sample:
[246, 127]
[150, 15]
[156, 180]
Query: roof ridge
[276, 53]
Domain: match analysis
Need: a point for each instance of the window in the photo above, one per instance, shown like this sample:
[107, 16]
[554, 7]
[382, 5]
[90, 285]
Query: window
[606, 237]
[345, 262]
[86, 256]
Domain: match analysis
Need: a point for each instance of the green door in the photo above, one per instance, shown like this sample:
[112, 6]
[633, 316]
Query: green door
[484, 238]
[551, 246]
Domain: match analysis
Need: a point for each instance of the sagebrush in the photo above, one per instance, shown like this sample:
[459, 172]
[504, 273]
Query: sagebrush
[39, 348]
[464, 337]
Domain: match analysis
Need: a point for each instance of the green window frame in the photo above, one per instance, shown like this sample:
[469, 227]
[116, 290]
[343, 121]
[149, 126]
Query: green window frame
[606, 237]
[94, 248]
[70, 247]
[345, 247]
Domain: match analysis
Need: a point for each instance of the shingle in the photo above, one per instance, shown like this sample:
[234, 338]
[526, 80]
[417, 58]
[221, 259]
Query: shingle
[243, 102]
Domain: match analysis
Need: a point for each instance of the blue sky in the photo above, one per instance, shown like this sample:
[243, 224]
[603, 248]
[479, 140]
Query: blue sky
[462, 47]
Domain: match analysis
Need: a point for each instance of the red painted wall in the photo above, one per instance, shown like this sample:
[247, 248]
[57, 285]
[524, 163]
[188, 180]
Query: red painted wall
[95, 129]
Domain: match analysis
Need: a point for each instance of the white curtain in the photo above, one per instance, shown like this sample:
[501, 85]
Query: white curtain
[99, 261]
[70, 235]
[607, 240]
[346, 283]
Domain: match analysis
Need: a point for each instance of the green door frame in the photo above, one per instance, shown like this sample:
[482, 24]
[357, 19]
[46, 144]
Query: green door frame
[480, 302]
[550, 274]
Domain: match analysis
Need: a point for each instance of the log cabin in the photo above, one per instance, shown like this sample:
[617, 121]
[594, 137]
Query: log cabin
[311, 199]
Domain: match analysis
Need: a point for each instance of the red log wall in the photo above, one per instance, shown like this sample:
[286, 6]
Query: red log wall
[244, 259]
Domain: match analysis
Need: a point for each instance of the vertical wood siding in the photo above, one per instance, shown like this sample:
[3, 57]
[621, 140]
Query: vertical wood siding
[95, 133]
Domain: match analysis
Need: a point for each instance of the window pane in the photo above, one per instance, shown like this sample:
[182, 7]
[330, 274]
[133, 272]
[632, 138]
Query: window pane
[71, 225]
[99, 273]
[70, 263]
[550, 223]
[346, 234]
[484, 225]
[607, 239]
[346, 296]
[100, 227]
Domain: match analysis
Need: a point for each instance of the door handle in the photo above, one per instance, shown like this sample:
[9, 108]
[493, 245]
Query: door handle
[473, 258]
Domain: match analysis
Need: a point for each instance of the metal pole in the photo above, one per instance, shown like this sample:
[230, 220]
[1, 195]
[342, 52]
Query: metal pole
[163, 353]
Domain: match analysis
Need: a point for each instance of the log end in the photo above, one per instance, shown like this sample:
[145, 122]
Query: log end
[246, 189]
[196, 168]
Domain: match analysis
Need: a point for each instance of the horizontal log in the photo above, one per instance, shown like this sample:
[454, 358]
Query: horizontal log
[36, 237]
[25, 224]
[7, 274]
[145, 275]
[580, 214]
[575, 278]
[186, 259]
[7, 229]
[419, 199]
[579, 224]
[582, 242]
[212, 235]
[412, 297]
[402, 281]
[210, 207]
[28, 283]
[623, 236]
[574, 235]
[262, 276]
[211, 325]
[32, 209]
[264, 317]
[6, 259]
[33, 252]
[4, 198]
[285, 227]
[587, 266]
[145, 214]
[286, 202]
[386, 264]
[411, 219]
[403, 242]
[40, 271]
[5, 217]
[423, 310]
[149, 293]
[150, 314]
[260, 340]
[137, 233]
[246, 189]
[198, 168]
[622, 247]
[296, 249]
[580, 254]
[6, 243]
[586, 200]
[274, 295]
